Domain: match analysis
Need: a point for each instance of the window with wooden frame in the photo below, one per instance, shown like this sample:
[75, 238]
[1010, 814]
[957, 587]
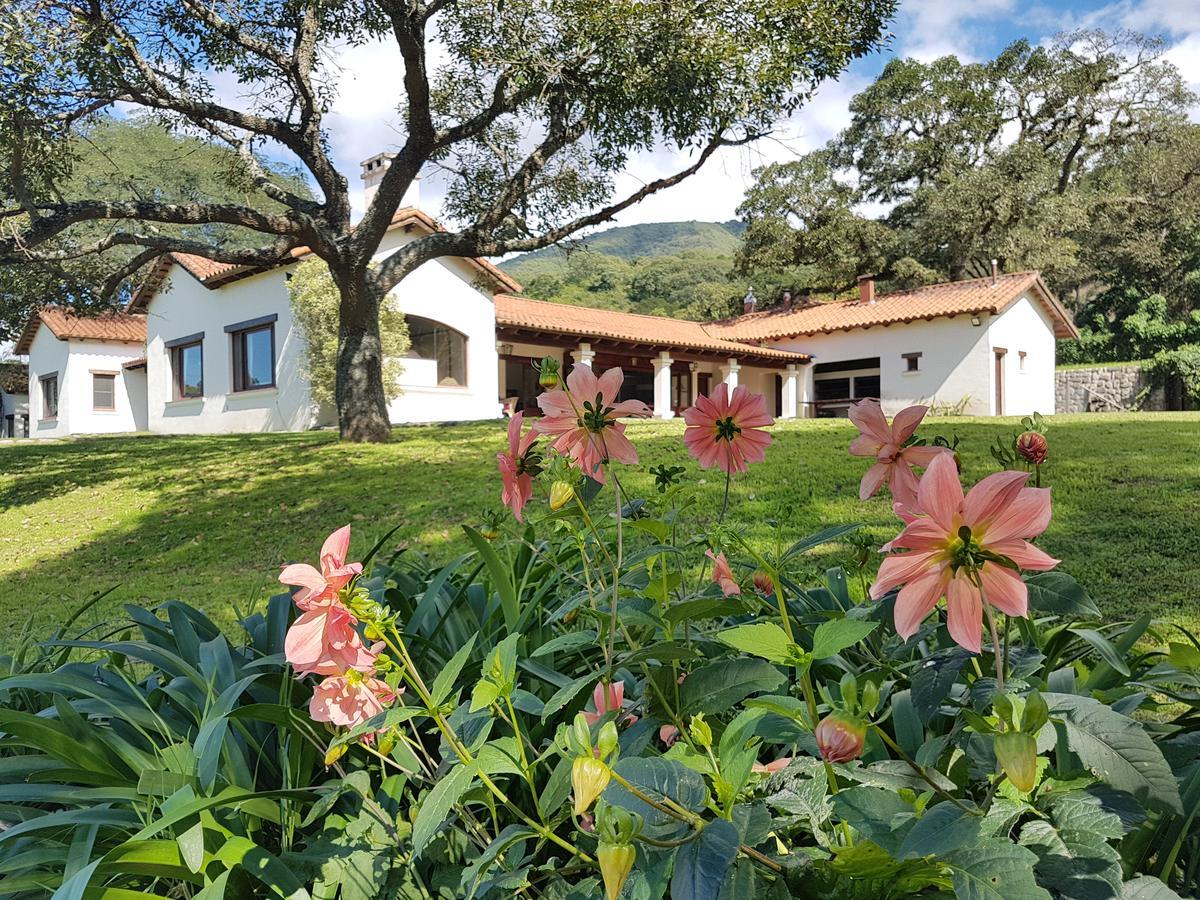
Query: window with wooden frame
[253, 353]
[49, 385]
[104, 391]
[187, 366]
[448, 348]
[912, 361]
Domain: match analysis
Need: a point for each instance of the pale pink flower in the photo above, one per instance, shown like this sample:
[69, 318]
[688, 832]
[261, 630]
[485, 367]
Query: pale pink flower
[722, 574]
[324, 640]
[884, 442]
[351, 699]
[722, 431]
[954, 546]
[335, 573]
[606, 698]
[668, 734]
[772, 767]
[585, 420]
[517, 468]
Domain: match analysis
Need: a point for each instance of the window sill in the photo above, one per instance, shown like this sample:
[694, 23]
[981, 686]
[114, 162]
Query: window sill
[51, 421]
[437, 388]
[254, 392]
[185, 403]
[911, 374]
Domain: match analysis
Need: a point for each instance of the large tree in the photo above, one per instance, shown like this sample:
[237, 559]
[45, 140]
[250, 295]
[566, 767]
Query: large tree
[1044, 157]
[529, 107]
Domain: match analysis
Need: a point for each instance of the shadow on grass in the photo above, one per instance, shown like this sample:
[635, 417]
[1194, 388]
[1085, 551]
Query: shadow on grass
[210, 519]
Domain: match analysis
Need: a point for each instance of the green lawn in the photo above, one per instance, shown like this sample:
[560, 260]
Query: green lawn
[209, 519]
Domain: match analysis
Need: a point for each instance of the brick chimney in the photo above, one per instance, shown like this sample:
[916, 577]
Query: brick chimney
[749, 302]
[995, 270]
[372, 174]
[866, 289]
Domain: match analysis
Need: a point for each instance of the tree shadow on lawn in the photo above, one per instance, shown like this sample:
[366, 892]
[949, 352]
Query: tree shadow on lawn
[211, 519]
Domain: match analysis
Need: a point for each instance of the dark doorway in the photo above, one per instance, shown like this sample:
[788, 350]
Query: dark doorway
[1000, 354]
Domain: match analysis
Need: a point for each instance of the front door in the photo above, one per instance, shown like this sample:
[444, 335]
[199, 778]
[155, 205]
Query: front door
[681, 391]
[704, 383]
[1000, 353]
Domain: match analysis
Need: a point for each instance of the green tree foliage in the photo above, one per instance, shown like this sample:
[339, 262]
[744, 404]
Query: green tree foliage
[595, 83]
[1075, 158]
[314, 299]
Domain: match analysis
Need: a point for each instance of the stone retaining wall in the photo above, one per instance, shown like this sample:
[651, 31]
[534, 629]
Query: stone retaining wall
[1105, 389]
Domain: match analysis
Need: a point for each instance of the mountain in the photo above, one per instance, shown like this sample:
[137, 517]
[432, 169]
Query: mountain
[638, 241]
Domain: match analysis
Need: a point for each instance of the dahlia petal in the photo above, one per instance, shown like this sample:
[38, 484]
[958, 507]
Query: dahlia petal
[583, 384]
[1004, 589]
[1024, 554]
[898, 569]
[303, 575]
[940, 494]
[921, 534]
[864, 445]
[873, 480]
[902, 482]
[990, 497]
[921, 456]
[609, 384]
[335, 549]
[964, 614]
[905, 422]
[869, 417]
[1026, 517]
[514, 433]
[633, 409]
[916, 600]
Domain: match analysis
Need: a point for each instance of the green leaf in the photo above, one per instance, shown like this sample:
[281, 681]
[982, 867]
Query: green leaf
[1059, 594]
[834, 636]
[1076, 864]
[566, 693]
[1117, 749]
[191, 847]
[718, 686]
[765, 639]
[934, 677]
[704, 608]
[566, 642]
[484, 694]
[436, 806]
[821, 537]
[657, 778]
[444, 682]
[1146, 887]
[943, 829]
[881, 816]
[701, 865]
[1104, 647]
[501, 575]
[996, 870]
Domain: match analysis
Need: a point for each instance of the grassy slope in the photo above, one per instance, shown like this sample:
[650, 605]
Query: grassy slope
[209, 519]
[634, 241]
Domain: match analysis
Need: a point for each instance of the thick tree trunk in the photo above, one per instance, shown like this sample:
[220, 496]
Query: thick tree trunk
[361, 403]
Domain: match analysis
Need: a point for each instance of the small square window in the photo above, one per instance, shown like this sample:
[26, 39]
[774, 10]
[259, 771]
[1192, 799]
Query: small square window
[104, 391]
[254, 358]
[187, 369]
[912, 361]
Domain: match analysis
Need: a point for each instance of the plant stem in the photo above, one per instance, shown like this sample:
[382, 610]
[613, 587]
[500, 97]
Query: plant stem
[921, 773]
[997, 648]
[728, 479]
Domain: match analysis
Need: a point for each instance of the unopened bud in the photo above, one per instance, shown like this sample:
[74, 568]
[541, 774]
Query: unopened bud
[840, 737]
[334, 753]
[1032, 447]
[1017, 754]
[763, 584]
[548, 373]
[701, 731]
[606, 741]
[589, 778]
[616, 862]
[561, 493]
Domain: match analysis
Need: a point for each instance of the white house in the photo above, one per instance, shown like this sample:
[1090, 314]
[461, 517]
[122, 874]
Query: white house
[14, 400]
[206, 347]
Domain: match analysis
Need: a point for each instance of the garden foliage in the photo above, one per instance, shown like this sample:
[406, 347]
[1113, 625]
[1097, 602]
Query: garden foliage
[620, 696]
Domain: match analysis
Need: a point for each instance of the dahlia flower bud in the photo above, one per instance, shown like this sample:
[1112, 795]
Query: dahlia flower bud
[561, 493]
[840, 737]
[335, 753]
[616, 862]
[763, 584]
[1032, 447]
[589, 778]
[1017, 754]
[548, 373]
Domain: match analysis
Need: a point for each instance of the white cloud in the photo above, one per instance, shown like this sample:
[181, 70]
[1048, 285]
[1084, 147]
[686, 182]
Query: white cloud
[933, 28]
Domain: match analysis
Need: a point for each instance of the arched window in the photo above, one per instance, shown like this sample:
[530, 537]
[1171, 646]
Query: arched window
[434, 341]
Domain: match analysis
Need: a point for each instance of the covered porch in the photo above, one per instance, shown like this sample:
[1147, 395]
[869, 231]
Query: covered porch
[667, 366]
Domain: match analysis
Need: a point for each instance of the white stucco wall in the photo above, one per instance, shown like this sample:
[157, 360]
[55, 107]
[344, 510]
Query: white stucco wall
[15, 405]
[955, 361]
[75, 362]
[447, 291]
[1029, 387]
[184, 307]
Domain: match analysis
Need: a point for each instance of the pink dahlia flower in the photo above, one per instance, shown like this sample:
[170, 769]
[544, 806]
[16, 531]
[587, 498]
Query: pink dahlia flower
[606, 698]
[722, 431]
[517, 467]
[351, 699]
[335, 573]
[966, 549]
[722, 574]
[885, 443]
[324, 640]
[585, 420]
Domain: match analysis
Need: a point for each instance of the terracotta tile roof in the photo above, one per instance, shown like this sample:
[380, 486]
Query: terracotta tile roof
[139, 363]
[14, 378]
[214, 274]
[585, 322]
[955, 298]
[126, 328]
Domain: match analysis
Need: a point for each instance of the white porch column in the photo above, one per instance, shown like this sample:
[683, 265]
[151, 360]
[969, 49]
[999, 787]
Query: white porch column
[807, 392]
[694, 372]
[662, 387]
[584, 355]
[789, 402]
[729, 373]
